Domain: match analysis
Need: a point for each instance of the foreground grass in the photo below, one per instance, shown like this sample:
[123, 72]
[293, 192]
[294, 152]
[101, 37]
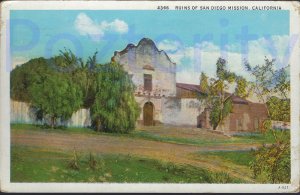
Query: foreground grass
[233, 161]
[250, 138]
[30, 164]
[235, 157]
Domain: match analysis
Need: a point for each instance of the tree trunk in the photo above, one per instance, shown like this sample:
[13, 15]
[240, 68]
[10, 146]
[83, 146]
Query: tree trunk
[52, 122]
[98, 125]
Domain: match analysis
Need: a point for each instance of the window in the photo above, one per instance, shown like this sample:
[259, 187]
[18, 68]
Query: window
[147, 82]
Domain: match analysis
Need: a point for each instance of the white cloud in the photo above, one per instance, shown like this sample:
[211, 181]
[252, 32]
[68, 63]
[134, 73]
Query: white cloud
[169, 46]
[202, 57]
[186, 76]
[273, 47]
[88, 27]
[117, 26]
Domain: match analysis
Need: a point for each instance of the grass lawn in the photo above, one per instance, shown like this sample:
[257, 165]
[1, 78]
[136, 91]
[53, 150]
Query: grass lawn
[196, 140]
[236, 157]
[32, 164]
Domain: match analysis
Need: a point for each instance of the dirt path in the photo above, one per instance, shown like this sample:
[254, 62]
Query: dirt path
[177, 153]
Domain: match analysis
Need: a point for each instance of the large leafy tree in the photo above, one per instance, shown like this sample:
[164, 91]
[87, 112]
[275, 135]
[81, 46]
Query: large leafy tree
[82, 73]
[35, 69]
[272, 87]
[269, 83]
[115, 108]
[55, 96]
[279, 109]
[66, 61]
[32, 81]
[84, 76]
[215, 96]
[22, 77]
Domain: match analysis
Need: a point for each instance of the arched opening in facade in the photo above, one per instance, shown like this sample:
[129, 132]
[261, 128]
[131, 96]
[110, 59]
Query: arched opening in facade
[148, 114]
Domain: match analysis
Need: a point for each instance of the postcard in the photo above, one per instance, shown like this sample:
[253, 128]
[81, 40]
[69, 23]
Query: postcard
[149, 96]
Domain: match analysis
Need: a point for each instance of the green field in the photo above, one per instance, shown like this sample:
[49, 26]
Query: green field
[31, 164]
[235, 157]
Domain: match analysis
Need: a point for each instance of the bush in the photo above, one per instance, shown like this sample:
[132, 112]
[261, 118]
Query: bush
[273, 163]
[74, 162]
[92, 162]
[279, 109]
[56, 96]
[115, 108]
[22, 77]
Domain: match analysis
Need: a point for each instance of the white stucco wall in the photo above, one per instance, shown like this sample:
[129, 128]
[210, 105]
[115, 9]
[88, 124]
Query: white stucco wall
[170, 111]
[181, 112]
[20, 112]
[134, 58]
[173, 111]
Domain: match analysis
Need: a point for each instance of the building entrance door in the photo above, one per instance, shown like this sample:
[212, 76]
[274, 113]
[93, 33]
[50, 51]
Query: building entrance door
[148, 114]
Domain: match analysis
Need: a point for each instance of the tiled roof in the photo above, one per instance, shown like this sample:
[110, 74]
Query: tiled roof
[239, 100]
[196, 88]
[189, 87]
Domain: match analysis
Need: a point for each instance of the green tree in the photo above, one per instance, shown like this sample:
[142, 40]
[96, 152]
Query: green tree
[269, 82]
[115, 108]
[22, 77]
[215, 95]
[272, 87]
[66, 61]
[263, 85]
[279, 109]
[84, 76]
[55, 96]
[242, 86]
[82, 73]
[273, 163]
[204, 85]
[282, 82]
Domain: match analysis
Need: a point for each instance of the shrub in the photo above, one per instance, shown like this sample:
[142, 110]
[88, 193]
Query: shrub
[92, 162]
[74, 162]
[22, 77]
[115, 108]
[55, 96]
[273, 163]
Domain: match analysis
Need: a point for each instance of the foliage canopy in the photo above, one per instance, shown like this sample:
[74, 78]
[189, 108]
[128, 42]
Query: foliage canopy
[59, 86]
[215, 95]
[55, 96]
[272, 87]
[115, 108]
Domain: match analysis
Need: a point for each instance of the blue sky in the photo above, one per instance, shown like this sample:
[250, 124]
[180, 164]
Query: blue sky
[180, 33]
